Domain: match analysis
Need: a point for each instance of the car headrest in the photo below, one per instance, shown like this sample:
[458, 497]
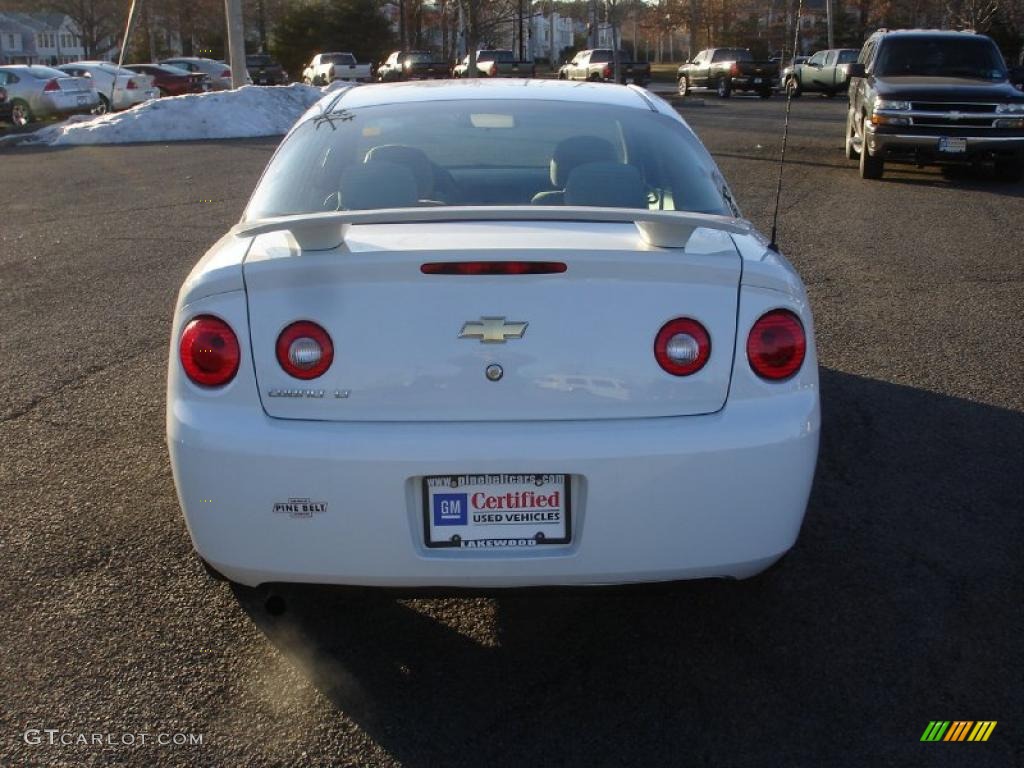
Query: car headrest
[606, 185]
[574, 152]
[377, 185]
[413, 159]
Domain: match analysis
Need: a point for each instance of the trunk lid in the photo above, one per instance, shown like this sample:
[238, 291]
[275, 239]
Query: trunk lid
[74, 84]
[587, 351]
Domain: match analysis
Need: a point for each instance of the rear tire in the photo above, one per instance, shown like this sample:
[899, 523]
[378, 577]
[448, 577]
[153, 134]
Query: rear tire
[104, 106]
[1010, 171]
[793, 88]
[21, 113]
[723, 88]
[684, 85]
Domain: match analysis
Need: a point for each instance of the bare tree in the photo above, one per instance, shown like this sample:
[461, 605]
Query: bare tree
[972, 14]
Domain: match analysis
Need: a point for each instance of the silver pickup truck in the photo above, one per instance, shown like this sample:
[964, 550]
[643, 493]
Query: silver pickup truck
[825, 72]
[496, 63]
[327, 67]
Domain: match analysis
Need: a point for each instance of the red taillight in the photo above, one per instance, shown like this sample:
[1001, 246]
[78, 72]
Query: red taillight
[776, 345]
[492, 267]
[51, 86]
[304, 350]
[493, 70]
[607, 71]
[209, 351]
[131, 85]
[226, 73]
[682, 346]
[734, 70]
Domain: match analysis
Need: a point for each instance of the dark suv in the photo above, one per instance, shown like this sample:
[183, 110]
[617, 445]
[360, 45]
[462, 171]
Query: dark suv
[928, 97]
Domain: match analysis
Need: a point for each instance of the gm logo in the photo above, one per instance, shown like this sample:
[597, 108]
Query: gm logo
[451, 509]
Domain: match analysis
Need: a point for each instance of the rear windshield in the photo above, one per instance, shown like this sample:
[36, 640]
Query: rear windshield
[496, 56]
[337, 58]
[733, 54]
[482, 152]
[962, 56]
[601, 56]
[45, 73]
[419, 58]
[258, 61]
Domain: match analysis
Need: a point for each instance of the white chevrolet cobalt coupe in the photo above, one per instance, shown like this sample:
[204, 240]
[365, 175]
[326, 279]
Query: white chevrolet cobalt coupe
[492, 334]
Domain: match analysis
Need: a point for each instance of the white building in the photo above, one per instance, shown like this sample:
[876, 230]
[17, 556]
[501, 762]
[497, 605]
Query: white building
[540, 36]
[39, 38]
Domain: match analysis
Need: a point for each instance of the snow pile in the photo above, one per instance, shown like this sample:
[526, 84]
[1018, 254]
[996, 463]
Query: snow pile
[244, 113]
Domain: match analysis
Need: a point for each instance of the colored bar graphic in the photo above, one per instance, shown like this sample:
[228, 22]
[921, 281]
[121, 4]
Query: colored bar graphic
[958, 730]
[982, 730]
[935, 730]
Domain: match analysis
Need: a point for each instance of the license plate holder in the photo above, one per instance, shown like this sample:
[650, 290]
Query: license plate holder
[497, 511]
[952, 145]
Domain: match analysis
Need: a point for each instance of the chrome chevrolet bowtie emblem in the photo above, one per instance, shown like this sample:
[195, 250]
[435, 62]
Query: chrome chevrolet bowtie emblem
[492, 330]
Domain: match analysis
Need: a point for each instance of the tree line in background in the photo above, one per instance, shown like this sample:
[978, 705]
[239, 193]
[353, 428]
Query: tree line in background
[662, 30]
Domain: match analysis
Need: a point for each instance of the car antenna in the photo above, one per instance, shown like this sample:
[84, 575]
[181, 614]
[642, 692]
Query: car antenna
[785, 129]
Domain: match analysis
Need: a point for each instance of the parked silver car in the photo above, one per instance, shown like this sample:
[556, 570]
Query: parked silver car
[218, 72]
[39, 93]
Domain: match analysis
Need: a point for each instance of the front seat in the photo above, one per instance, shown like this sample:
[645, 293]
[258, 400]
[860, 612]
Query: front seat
[569, 155]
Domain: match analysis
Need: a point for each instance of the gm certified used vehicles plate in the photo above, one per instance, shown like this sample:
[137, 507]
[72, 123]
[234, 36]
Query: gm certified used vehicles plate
[492, 334]
[497, 511]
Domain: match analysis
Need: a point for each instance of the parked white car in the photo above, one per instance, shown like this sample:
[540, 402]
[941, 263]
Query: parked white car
[360, 379]
[118, 88]
[35, 93]
[325, 68]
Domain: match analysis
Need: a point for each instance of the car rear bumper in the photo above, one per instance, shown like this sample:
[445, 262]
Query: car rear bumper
[126, 99]
[58, 104]
[753, 83]
[640, 80]
[925, 147]
[721, 495]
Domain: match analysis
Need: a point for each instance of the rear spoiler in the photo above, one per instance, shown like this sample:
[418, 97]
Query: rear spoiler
[326, 231]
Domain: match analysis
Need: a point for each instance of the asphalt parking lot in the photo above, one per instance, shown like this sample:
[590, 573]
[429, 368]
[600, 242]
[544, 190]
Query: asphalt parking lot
[900, 604]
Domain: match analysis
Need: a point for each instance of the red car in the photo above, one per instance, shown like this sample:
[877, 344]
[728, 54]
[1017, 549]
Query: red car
[170, 80]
